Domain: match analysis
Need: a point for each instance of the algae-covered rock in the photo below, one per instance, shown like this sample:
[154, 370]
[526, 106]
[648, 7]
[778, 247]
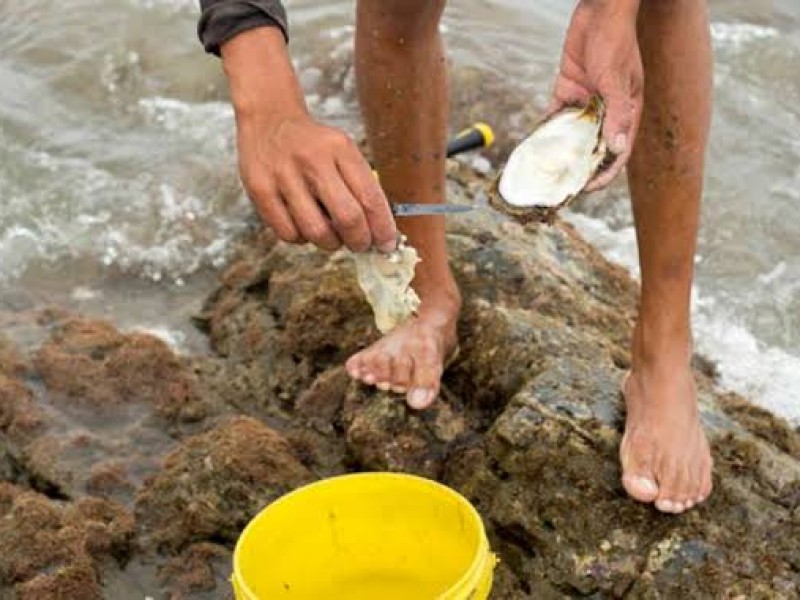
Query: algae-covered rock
[53, 550]
[213, 483]
[527, 426]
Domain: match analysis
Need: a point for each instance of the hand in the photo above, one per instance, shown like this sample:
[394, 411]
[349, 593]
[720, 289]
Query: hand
[310, 183]
[601, 56]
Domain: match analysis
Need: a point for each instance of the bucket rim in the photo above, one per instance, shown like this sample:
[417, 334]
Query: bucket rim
[482, 556]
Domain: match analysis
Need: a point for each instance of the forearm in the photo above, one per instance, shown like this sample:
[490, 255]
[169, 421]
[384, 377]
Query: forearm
[262, 80]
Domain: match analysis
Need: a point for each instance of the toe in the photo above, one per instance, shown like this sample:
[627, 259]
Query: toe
[402, 368]
[425, 378]
[638, 477]
[361, 366]
[666, 506]
[383, 370]
[354, 366]
[640, 486]
[669, 492]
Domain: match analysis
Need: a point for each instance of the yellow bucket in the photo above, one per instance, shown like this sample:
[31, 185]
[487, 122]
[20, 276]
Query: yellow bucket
[366, 536]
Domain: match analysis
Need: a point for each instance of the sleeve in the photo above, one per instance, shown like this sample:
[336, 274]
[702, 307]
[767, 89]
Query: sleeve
[223, 19]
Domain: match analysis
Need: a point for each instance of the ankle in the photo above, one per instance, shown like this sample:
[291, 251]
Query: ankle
[660, 346]
[444, 297]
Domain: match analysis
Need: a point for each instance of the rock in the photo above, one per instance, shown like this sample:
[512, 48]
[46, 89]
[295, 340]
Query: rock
[530, 419]
[527, 426]
[202, 567]
[90, 362]
[54, 550]
[214, 483]
[11, 362]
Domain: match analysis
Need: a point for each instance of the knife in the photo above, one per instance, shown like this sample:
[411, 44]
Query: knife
[479, 135]
[416, 210]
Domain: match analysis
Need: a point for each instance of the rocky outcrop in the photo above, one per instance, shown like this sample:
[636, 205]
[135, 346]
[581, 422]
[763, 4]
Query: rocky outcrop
[140, 467]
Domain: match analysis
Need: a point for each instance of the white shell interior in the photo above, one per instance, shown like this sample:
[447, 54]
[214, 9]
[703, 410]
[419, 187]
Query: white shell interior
[554, 163]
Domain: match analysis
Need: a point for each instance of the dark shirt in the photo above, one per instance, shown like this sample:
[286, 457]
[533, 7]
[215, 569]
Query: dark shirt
[223, 19]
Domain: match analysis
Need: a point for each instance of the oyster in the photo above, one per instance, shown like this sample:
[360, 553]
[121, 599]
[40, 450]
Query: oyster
[552, 165]
[386, 282]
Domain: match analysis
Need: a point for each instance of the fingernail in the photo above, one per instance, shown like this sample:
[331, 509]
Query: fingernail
[619, 143]
[419, 398]
[647, 484]
[388, 247]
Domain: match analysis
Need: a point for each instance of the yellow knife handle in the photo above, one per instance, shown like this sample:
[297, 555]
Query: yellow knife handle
[480, 135]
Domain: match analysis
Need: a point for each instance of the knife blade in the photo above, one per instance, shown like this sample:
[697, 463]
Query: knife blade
[416, 210]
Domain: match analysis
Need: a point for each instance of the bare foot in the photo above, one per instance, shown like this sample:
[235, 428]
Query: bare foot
[410, 359]
[664, 453]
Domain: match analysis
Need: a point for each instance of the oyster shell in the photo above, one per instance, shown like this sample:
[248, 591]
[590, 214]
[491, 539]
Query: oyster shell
[552, 165]
[386, 282]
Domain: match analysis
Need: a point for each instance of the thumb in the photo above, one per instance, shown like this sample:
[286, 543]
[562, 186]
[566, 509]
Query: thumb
[618, 123]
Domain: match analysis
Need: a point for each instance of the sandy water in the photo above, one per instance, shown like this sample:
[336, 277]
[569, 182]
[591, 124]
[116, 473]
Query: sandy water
[119, 195]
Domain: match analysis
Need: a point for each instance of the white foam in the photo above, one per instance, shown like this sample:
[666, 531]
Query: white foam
[174, 338]
[736, 35]
[207, 123]
[768, 376]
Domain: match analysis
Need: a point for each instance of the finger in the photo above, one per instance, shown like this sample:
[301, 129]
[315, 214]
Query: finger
[368, 193]
[307, 214]
[567, 92]
[618, 121]
[347, 215]
[273, 212]
[627, 124]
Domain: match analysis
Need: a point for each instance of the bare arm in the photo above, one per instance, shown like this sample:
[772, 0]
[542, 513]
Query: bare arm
[309, 182]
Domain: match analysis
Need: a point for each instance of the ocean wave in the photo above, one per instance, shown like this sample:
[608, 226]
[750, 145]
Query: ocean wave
[737, 35]
[768, 376]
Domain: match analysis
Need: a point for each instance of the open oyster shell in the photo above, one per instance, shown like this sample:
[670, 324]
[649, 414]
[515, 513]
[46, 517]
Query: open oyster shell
[552, 165]
[386, 282]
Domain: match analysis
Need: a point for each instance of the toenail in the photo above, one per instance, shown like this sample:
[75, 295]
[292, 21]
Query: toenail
[665, 506]
[701, 499]
[647, 484]
[679, 507]
[369, 378]
[383, 385]
[689, 504]
[399, 389]
[419, 398]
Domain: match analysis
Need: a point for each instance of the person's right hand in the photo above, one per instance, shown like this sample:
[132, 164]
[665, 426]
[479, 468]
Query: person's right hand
[310, 183]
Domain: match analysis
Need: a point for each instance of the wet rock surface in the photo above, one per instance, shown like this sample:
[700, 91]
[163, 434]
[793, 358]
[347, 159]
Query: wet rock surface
[128, 471]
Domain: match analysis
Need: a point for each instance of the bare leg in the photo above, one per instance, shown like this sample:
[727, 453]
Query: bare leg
[665, 455]
[401, 73]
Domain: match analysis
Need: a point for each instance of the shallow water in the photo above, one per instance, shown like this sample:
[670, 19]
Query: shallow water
[118, 187]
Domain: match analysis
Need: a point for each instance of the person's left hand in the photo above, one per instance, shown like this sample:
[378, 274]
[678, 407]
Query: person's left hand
[601, 56]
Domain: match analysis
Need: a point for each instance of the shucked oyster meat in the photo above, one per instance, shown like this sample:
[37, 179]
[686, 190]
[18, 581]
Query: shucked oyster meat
[553, 164]
[386, 281]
